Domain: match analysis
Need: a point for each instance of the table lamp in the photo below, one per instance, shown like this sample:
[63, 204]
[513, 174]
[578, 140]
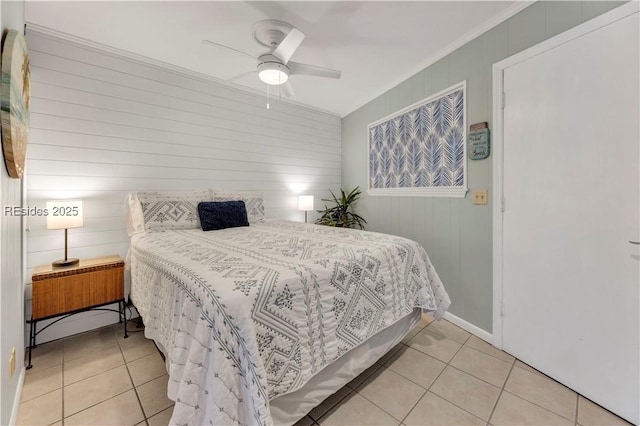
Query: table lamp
[305, 202]
[64, 214]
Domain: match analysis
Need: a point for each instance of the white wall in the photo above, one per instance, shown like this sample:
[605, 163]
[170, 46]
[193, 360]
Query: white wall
[11, 253]
[103, 125]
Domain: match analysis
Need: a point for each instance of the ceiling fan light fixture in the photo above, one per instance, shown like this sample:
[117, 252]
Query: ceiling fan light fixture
[273, 73]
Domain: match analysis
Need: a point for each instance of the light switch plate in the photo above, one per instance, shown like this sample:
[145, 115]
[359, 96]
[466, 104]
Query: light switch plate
[480, 196]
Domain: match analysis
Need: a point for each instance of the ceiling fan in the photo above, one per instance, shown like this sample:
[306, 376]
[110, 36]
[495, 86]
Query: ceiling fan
[274, 66]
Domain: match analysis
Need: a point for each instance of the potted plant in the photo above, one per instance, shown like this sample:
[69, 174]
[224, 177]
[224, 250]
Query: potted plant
[339, 214]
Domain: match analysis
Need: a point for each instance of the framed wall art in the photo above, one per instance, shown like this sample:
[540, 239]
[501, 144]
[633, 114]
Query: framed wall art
[14, 102]
[421, 150]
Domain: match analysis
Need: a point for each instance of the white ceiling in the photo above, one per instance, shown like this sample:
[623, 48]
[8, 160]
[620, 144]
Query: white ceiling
[376, 44]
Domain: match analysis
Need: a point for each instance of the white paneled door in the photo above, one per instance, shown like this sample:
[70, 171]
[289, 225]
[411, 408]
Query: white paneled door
[570, 178]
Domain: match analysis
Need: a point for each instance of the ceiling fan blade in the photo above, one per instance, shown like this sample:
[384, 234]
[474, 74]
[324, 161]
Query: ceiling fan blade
[288, 45]
[287, 89]
[306, 69]
[213, 43]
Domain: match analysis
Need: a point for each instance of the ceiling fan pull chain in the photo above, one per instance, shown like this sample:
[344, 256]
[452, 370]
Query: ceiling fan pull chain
[267, 96]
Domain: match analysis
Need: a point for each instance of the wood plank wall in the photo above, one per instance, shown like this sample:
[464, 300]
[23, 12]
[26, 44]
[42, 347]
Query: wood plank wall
[104, 125]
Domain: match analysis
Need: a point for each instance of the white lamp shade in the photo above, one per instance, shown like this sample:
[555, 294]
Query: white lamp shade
[64, 214]
[305, 202]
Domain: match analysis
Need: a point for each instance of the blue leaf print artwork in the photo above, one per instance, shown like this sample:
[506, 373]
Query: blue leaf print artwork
[398, 159]
[458, 107]
[458, 160]
[422, 179]
[421, 122]
[373, 164]
[441, 177]
[385, 162]
[390, 132]
[423, 147]
[373, 155]
[444, 174]
[378, 181]
[407, 165]
[443, 116]
[431, 118]
[433, 158]
[449, 150]
[404, 180]
[404, 127]
[414, 158]
[377, 138]
[427, 159]
[390, 181]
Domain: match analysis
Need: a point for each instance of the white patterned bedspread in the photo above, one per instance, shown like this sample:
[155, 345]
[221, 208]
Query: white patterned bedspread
[247, 314]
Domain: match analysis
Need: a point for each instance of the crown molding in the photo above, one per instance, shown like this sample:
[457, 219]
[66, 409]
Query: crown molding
[486, 26]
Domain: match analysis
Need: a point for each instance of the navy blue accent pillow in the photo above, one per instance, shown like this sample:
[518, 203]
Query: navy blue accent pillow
[222, 214]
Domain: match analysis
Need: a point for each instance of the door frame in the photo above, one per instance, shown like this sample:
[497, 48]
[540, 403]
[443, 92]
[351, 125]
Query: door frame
[500, 204]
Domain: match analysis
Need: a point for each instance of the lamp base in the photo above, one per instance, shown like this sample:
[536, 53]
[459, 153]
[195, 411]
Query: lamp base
[65, 262]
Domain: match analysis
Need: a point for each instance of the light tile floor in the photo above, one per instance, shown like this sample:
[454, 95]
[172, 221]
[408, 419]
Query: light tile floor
[438, 375]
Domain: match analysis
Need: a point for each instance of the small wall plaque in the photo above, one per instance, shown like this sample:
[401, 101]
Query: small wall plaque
[478, 138]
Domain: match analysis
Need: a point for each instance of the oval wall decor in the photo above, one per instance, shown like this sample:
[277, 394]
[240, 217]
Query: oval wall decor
[14, 102]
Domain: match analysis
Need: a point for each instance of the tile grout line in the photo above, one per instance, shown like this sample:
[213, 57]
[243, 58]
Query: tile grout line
[73, 359]
[135, 388]
[478, 378]
[440, 374]
[538, 405]
[333, 406]
[525, 399]
[503, 385]
[514, 361]
[63, 384]
[380, 366]
[416, 404]
[488, 354]
[100, 402]
[376, 405]
[426, 390]
[448, 364]
[495, 404]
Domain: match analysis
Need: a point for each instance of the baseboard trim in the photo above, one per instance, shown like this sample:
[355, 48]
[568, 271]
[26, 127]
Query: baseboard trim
[18, 397]
[475, 330]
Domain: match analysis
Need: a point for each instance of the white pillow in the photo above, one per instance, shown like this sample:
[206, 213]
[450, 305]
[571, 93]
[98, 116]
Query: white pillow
[133, 217]
[254, 202]
[166, 210]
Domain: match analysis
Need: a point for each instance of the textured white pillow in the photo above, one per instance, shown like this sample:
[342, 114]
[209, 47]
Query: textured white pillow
[254, 201]
[171, 210]
[133, 217]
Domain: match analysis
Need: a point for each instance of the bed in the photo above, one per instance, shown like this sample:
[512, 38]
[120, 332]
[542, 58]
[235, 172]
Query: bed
[260, 323]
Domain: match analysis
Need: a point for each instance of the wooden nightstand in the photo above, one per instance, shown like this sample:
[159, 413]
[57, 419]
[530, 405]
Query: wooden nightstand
[73, 289]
